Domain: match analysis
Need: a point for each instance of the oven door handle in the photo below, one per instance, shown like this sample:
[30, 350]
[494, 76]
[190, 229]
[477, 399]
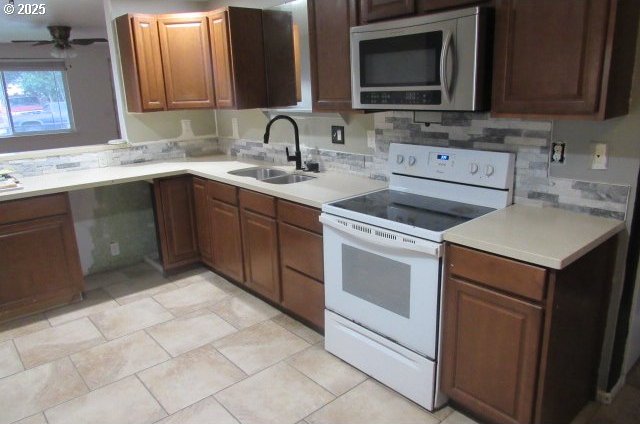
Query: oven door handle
[381, 237]
[444, 61]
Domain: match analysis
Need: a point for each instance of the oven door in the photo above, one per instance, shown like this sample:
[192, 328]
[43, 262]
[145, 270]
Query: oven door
[385, 281]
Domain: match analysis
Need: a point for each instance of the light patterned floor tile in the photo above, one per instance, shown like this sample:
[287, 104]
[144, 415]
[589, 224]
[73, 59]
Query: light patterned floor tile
[124, 402]
[191, 298]
[118, 358]
[103, 279]
[371, 403]
[9, 360]
[277, 395]
[207, 411]
[191, 331]
[31, 391]
[130, 318]
[132, 290]
[244, 310]
[457, 418]
[34, 419]
[206, 276]
[442, 413]
[55, 342]
[190, 378]
[260, 346]
[325, 369]
[93, 302]
[298, 329]
[21, 326]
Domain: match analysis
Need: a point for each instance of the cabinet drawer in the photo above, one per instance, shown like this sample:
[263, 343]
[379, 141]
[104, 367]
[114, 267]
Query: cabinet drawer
[223, 192]
[303, 296]
[35, 207]
[300, 216]
[301, 250]
[500, 273]
[257, 202]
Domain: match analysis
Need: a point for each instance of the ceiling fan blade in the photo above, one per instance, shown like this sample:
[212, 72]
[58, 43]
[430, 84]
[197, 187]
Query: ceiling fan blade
[26, 41]
[42, 43]
[87, 41]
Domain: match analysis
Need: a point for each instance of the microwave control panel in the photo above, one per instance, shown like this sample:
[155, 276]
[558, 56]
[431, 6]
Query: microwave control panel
[422, 97]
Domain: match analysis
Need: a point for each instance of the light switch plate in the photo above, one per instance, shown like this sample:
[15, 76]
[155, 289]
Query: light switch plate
[337, 134]
[599, 156]
[371, 139]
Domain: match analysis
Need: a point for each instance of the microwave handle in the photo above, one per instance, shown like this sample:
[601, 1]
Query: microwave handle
[355, 230]
[444, 59]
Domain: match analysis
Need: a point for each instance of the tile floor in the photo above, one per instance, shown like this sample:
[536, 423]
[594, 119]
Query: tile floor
[195, 349]
[188, 349]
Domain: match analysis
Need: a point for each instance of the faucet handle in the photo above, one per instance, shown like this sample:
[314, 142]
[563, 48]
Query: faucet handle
[290, 158]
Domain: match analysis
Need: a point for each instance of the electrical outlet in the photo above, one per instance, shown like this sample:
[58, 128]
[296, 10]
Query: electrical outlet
[115, 248]
[234, 129]
[371, 139]
[558, 150]
[599, 156]
[337, 134]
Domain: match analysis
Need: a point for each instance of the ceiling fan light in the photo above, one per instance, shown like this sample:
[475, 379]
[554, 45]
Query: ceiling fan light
[65, 53]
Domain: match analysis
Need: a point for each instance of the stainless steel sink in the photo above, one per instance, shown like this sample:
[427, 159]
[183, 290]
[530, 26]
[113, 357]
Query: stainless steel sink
[288, 179]
[259, 172]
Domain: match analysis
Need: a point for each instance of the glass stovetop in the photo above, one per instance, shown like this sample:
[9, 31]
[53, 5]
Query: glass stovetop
[420, 211]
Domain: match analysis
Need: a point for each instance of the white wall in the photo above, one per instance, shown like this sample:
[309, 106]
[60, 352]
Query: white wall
[91, 94]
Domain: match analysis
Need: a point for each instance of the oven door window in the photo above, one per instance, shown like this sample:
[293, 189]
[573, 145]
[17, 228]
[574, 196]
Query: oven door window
[376, 279]
[402, 61]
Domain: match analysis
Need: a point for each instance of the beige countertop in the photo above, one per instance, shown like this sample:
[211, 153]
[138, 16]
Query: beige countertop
[326, 187]
[549, 237]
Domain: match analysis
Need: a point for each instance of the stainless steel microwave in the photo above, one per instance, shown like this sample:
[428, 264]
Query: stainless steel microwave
[430, 62]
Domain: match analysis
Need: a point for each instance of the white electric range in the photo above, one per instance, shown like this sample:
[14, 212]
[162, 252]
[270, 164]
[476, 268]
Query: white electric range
[383, 261]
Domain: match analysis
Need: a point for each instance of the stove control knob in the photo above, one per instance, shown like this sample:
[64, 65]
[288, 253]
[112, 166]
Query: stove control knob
[412, 160]
[473, 168]
[399, 159]
[488, 170]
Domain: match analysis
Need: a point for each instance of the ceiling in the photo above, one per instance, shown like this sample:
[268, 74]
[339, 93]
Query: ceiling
[86, 17]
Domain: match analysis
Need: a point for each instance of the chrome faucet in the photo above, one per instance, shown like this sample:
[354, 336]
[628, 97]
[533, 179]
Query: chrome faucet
[297, 157]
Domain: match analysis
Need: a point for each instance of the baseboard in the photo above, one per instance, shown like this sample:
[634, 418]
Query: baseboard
[154, 261]
[607, 397]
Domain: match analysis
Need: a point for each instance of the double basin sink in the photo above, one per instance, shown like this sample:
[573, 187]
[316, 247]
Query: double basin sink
[271, 175]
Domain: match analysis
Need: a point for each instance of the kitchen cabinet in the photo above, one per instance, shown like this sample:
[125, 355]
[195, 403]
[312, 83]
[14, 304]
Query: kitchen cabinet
[39, 262]
[301, 262]
[175, 222]
[143, 78]
[186, 60]
[428, 6]
[521, 343]
[260, 244]
[329, 24]
[224, 227]
[202, 219]
[376, 10]
[546, 68]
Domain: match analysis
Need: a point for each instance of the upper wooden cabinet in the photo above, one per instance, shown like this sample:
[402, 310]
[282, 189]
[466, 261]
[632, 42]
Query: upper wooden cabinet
[141, 62]
[186, 60]
[237, 48]
[428, 6]
[375, 10]
[329, 24]
[544, 66]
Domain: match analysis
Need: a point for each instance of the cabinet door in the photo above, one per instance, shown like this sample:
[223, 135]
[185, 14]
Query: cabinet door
[375, 10]
[176, 222]
[301, 260]
[424, 6]
[226, 244]
[39, 265]
[202, 219]
[329, 24]
[490, 352]
[544, 66]
[221, 55]
[260, 243]
[186, 60]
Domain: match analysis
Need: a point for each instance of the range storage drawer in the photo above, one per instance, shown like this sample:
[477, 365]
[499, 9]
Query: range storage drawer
[300, 216]
[500, 273]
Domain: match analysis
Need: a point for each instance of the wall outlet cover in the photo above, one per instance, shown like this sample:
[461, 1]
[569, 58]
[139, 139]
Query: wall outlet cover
[599, 156]
[337, 134]
[371, 139]
[558, 150]
[115, 248]
[234, 129]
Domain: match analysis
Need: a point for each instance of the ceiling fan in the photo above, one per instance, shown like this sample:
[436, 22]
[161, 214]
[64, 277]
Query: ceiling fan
[61, 44]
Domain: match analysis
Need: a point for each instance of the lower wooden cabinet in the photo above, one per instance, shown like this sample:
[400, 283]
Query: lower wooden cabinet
[224, 227]
[39, 262]
[260, 244]
[202, 221]
[176, 222]
[301, 261]
[521, 343]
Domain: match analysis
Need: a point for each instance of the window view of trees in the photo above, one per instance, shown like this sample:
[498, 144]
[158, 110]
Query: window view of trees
[33, 102]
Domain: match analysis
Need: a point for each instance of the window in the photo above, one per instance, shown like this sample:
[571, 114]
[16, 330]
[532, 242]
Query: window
[34, 98]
